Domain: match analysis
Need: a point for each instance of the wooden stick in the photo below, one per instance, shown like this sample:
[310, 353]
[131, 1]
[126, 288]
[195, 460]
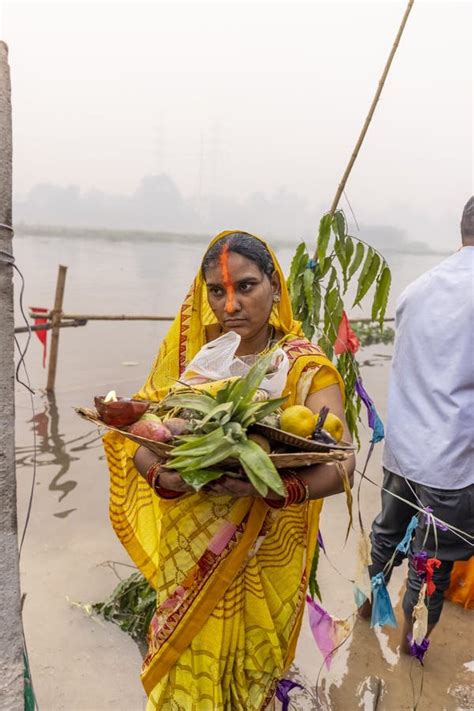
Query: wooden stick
[82, 318]
[360, 140]
[56, 315]
[49, 326]
[105, 317]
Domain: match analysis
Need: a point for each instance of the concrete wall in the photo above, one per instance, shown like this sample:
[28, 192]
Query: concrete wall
[11, 663]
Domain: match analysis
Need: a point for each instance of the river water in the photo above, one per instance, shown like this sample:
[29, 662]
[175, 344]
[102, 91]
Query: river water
[136, 277]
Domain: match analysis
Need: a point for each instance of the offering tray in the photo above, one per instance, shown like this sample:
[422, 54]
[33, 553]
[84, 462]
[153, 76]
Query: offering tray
[299, 443]
[318, 454]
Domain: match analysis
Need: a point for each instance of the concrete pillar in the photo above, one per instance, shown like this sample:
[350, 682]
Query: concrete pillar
[11, 645]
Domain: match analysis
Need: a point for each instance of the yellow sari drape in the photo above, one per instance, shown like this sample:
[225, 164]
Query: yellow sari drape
[230, 573]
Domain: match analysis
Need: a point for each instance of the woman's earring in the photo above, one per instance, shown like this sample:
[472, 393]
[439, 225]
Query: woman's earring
[276, 298]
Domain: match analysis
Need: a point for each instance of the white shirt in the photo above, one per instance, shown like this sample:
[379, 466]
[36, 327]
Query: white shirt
[430, 422]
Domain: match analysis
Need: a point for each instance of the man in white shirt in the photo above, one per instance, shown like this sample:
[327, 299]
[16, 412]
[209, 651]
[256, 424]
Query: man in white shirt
[429, 445]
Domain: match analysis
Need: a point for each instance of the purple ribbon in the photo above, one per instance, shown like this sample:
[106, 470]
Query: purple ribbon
[418, 561]
[428, 520]
[321, 542]
[418, 650]
[374, 421]
[283, 689]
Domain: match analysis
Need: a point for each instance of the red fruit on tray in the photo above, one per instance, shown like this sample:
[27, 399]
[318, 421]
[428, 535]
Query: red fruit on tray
[150, 430]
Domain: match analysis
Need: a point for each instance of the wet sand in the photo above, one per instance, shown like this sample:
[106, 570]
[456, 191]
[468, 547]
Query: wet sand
[85, 664]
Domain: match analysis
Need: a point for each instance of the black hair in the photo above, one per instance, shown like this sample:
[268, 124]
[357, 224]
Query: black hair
[467, 220]
[244, 244]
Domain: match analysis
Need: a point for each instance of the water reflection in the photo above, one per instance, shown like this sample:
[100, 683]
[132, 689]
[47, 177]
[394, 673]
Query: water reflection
[54, 450]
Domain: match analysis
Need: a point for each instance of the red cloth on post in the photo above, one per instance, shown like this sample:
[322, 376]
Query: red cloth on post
[42, 334]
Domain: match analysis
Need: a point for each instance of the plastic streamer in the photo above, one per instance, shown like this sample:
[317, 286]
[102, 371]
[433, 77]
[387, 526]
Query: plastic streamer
[382, 610]
[283, 689]
[374, 421]
[404, 544]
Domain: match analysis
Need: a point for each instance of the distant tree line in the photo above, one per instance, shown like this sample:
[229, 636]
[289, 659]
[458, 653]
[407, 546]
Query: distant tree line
[158, 205]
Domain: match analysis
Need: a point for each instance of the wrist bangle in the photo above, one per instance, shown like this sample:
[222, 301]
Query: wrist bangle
[153, 480]
[297, 492]
[153, 474]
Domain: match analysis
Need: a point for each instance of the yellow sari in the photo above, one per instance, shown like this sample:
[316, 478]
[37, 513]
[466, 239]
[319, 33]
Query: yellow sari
[230, 573]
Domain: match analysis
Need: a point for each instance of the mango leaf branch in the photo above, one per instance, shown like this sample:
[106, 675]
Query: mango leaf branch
[319, 284]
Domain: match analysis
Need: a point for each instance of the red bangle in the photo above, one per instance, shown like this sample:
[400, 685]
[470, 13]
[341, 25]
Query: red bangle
[153, 476]
[297, 492]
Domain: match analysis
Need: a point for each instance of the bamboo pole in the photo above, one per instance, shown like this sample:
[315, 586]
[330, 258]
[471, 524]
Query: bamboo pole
[81, 319]
[366, 125]
[56, 315]
[105, 317]
[11, 642]
[49, 326]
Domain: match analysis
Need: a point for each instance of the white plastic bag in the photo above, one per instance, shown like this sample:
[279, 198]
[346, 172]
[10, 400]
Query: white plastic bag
[217, 361]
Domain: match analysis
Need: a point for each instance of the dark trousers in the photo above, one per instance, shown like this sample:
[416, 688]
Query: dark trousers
[456, 507]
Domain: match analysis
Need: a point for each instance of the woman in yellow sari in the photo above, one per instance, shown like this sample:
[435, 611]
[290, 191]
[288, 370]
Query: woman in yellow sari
[229, 567]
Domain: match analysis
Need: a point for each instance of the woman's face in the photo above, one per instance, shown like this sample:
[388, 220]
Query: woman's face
[240, 294]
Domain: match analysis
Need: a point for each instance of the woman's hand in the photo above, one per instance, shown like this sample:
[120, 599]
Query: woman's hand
[172, 480]
[232, 486]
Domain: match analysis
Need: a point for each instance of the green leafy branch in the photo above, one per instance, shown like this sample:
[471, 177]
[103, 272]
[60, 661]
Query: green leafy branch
[319, 284]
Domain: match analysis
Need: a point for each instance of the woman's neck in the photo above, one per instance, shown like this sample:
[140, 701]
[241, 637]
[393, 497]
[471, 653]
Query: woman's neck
[256, 344]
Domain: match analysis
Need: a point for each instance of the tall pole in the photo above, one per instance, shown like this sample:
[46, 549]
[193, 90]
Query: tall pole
[367, 121]
[11, 643]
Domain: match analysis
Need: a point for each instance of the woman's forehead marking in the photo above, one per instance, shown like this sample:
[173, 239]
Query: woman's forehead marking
[226, 278]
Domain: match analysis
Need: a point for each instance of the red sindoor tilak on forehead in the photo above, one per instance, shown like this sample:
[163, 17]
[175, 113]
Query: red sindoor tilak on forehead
[226, 279]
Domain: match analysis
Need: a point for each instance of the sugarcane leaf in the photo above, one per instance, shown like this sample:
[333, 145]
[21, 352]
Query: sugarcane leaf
[323, 237]
[381, 294]
[368, 274]
[357, 261]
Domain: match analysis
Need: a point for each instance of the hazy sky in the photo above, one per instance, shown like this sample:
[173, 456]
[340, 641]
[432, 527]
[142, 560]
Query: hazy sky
[231, 98]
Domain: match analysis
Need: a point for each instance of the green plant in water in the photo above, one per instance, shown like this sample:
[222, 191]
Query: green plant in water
[130, 606]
